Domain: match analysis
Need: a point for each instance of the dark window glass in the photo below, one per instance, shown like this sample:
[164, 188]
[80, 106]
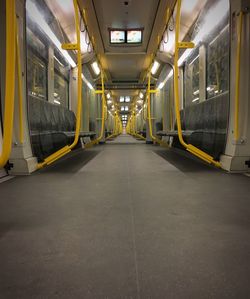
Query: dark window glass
[218, 64]
[192, 79]
[61, 90]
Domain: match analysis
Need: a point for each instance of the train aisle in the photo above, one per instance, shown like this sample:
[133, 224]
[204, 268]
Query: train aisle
[127, 139]
[125, 221]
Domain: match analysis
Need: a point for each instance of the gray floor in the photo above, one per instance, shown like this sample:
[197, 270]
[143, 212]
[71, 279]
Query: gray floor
[125, 139]
[125, 221]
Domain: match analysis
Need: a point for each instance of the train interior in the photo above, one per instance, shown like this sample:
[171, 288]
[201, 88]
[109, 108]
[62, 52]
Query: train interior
[125, 149]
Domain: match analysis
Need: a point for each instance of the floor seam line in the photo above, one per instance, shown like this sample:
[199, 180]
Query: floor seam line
[133, 230]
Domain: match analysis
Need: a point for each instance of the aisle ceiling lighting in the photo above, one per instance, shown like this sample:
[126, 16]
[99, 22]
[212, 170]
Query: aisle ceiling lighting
[155, 67]
[161, 85]
[87, 82]
[96, 68]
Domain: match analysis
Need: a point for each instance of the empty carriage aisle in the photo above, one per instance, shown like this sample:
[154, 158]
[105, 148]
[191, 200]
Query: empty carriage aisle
[125, 221]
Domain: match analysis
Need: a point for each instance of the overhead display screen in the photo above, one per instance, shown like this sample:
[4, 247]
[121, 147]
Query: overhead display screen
[134, 36]
[117, 36]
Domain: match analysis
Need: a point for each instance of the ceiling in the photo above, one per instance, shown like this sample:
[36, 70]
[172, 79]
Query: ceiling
[125, 66]
[125, 62]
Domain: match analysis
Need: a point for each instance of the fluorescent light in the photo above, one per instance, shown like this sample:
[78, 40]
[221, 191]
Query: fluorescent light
[87, 82]
[126, 108]
[90, 86]
[121, 99]
[96, 68]
[38, 18]
[155, 67]
[108, 96]
[195, 100]
[109, 102]
[161, 85]
[141, 95]
[196, 92]
[57, 102]
[127, 99]
[122, 108]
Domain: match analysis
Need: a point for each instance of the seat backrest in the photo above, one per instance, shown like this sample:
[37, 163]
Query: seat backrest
[210, 115]
[48, 117]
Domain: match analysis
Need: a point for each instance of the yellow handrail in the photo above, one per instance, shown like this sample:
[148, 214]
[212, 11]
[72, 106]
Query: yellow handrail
[66, 149]
[102, 92]
[116, 129]
[9, 81]
[20, 87]
[237, 84]
[192, 149]
[135, 133]
[149, 91]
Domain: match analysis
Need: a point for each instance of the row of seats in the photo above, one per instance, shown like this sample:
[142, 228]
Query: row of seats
[204, 125]
[51, 127]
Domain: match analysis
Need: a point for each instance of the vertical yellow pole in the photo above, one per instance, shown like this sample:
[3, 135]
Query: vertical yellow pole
[9, 81]
[150, 117]
[20, 89]
[79, 76]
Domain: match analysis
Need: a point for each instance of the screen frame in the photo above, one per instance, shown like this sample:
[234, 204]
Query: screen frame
[134, 43]
[117, 43]
[126, 36]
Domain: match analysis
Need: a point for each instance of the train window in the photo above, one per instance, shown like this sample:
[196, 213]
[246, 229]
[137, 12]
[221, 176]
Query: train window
[36, 77]
[61, 80]
[37, 61]
[218, 64]
[192, 79]
[61, 90]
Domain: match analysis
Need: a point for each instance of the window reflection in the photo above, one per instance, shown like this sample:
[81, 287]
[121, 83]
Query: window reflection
[36, 66]
[206, 70]
[192, 80]
[61, 90]
[218, 64]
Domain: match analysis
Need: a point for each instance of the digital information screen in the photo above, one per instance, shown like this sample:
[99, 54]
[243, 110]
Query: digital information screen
[134, 36]
[117, 36]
